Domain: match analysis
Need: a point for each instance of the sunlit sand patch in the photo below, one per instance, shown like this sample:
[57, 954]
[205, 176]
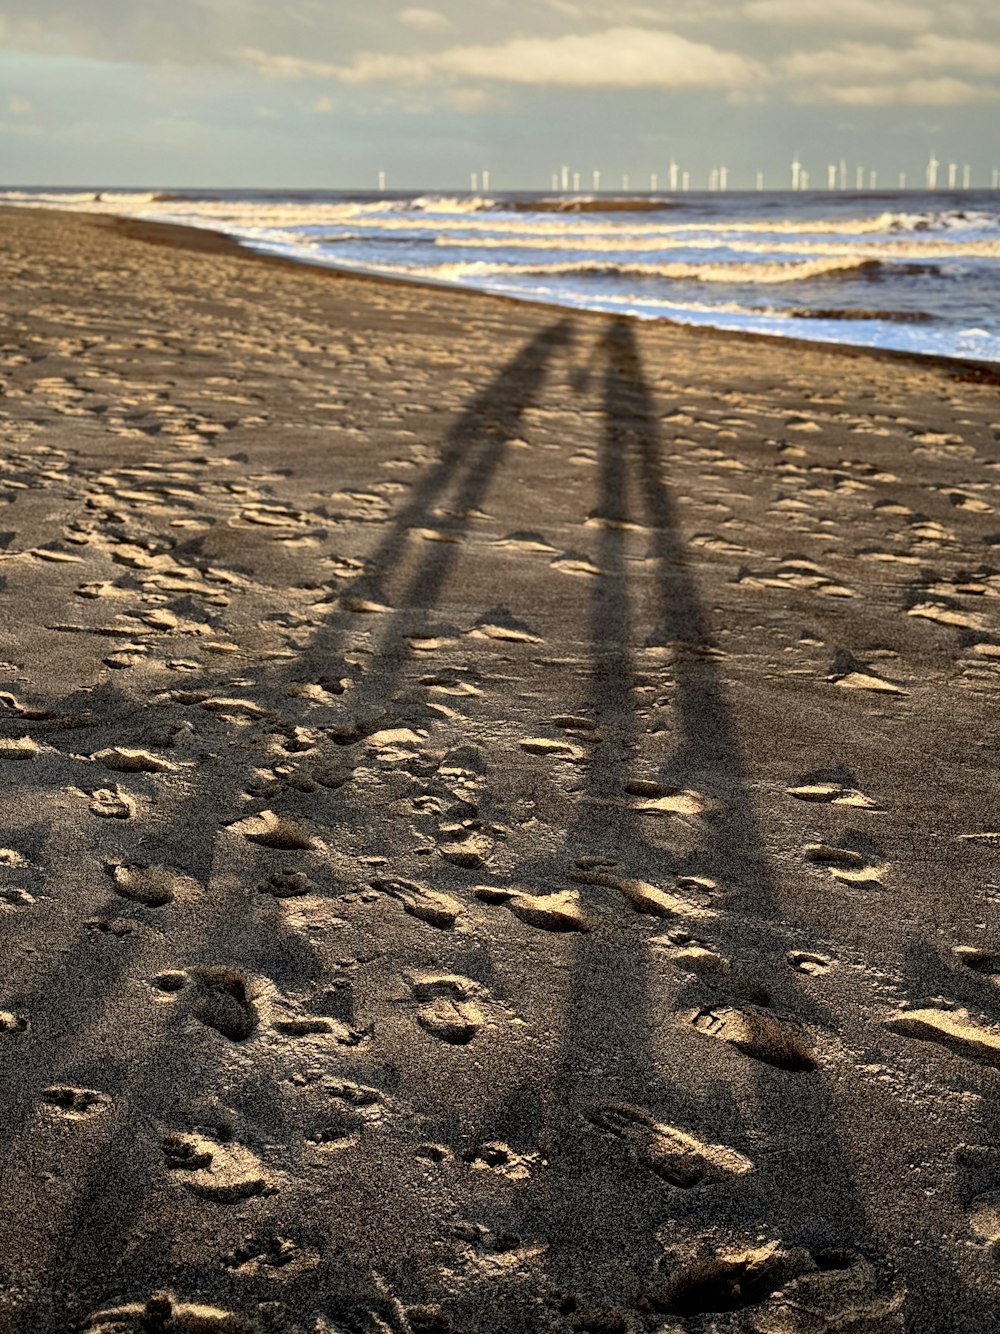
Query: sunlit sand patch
[954, 1029]
[558, 911]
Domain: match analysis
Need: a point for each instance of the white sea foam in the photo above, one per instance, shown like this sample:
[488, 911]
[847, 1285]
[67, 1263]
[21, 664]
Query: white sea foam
[923, 274]
[735, 272]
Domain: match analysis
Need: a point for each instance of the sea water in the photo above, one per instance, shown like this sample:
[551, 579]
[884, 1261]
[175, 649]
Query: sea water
[916, 272]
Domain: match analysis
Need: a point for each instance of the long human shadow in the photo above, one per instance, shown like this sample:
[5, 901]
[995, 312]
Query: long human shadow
[616, 1029]
[101, 1226]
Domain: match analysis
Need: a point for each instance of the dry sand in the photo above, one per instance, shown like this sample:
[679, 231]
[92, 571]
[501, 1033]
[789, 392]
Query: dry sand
[499, 815]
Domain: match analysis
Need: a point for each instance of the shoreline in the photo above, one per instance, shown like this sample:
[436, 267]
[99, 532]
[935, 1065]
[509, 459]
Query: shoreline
[187, 237]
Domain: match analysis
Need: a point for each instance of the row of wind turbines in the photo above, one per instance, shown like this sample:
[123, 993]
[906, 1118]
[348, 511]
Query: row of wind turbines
[566, 181]
[838, 177]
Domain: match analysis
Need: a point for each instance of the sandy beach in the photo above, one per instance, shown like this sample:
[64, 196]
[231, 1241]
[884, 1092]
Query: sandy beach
[500, 818]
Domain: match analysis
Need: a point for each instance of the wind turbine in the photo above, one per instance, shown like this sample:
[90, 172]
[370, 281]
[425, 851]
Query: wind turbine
[723, 178]
[486, 182]
[831, 176]
[760, 180]
[673, 176]
[966, 177]
[952, 175]
[932, 171]
[597, 181]
[381, 182]
[796, 173]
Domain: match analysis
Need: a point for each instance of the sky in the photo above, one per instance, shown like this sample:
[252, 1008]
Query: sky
[327, 93]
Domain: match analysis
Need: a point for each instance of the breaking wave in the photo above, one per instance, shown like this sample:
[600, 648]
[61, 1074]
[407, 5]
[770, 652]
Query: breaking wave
[759, 262]
[736, 272]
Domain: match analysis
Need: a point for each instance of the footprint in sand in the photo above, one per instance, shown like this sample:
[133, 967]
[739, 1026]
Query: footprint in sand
[830, 790]
[549, 912]
[692, 898]
[427, 905]
[19, 748]
[131, 761]
[165, 1312]
[75, 1104]
[847, 861]
[287, 885]
[790, 1289]
[351, 1109]
[553, 749]
[673, 1155]
[984, 962]
[500, 1159]
[465, 845]
[690, 954]
[848, 673]
[220, 997]
[112, 803]
[226, 1173]
[153, 886]
[813, 965]
[758, 1035]
[273, 1257]
[500, 623]
[275, 831]
[984, 1219]
[450, 1009]
[954, 1029]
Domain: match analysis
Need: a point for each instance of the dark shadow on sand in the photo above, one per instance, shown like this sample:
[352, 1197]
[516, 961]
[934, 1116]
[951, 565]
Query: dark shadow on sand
[106, 1243]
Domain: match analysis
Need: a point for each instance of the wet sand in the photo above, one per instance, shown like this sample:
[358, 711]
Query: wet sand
[500, 813]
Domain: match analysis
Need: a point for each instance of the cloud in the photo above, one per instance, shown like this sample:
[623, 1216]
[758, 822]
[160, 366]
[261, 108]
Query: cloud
[425, 20]
[470, 100]
[928, 56]
[942, 92]
[894, 15]
[19, 106]
[616, 58]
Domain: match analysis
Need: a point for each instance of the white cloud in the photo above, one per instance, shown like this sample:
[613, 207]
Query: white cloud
[19, 106]
[928, 56]
[286, 67]
[942, 92]
[425, 20]
[894, 15]
[616, 58]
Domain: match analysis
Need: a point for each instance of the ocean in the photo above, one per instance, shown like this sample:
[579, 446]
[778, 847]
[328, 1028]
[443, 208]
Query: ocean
[910, 271]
